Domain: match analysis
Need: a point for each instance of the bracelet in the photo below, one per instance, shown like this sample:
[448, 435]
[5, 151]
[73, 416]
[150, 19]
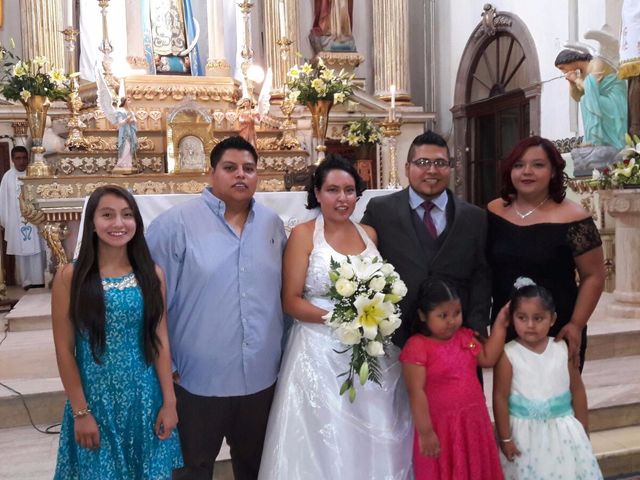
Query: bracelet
[83, 412]
[506, 440]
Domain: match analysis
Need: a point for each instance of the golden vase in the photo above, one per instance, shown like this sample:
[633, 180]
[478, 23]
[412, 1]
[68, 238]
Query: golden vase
[319, 123]
[37, 107]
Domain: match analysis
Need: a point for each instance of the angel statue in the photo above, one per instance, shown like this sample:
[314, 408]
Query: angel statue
[125, 120]
[250, 115]
[594, 83]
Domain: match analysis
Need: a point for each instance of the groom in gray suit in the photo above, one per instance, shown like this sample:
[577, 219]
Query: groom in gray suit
[424, 230]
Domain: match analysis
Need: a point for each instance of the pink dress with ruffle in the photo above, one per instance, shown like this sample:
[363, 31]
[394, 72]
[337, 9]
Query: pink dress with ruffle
[459, 415]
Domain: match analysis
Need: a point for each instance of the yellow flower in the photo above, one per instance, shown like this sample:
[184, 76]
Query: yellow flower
[57, 75]
[327, 75]
[352, 139]
[318, 85]
[371, 312]
[338, 97]
[19, 70]
[307, 69]
[294, 72]
[25, 95]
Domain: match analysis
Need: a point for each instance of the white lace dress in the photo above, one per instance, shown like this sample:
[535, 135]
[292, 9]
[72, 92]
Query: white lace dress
[313, 432]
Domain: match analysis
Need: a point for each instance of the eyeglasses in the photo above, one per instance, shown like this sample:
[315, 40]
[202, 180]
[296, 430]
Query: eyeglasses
[425, 163]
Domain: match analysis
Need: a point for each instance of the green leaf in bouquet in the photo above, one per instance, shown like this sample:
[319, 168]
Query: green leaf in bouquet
[364, 372]
[333, 276]
[390, 297]
[333, 264]
[352, 393]
[345, 386]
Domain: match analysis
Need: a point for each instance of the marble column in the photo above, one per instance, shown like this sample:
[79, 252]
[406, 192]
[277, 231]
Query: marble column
[624, 206]
[135, 45]
[391, 47]
[41, 22]
[217, 65]
[282, 39]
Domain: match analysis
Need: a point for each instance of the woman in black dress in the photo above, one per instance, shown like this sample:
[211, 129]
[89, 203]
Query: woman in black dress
[535, 232]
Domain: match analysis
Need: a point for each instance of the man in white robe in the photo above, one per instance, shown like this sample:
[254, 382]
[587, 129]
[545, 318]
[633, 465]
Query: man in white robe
[23, 240]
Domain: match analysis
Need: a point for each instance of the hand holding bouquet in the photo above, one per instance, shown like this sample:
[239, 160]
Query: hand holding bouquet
[365, 315]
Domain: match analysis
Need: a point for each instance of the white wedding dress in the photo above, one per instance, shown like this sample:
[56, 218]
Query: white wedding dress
[314, 433]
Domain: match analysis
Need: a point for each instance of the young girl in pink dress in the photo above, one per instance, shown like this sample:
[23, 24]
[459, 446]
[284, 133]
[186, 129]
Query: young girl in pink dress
[454, 438]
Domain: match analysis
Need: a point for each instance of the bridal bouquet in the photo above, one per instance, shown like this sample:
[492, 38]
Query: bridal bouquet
[365, 314]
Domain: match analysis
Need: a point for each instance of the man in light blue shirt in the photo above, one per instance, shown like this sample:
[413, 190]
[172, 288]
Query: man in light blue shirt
[222, 255]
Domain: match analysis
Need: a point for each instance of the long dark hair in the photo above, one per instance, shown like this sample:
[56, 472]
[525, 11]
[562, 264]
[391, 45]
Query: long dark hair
[331, 162]
[87, 308]
[433, 292]
[558, 182]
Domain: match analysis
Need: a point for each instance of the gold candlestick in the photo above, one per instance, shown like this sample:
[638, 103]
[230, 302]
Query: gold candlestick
[284, 43]
[391, 130]
[105, 47]
[288, 140]
[246, 52]
[75, 139]
[70, 35]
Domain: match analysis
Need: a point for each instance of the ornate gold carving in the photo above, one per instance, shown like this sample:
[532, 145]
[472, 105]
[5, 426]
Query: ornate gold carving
[30, 213]
[346, 60]
[190, 187]
[54, 190]
[268, 143]
[20, 128]
[282, 163]
[138, 63]
[179, 92]
[217, 64]
[54, 233]
[149, 187]
[271, 185]
[110, 144]
[89, 188]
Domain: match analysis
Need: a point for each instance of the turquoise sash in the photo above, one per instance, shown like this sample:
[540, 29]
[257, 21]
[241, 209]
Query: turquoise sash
[559, 406]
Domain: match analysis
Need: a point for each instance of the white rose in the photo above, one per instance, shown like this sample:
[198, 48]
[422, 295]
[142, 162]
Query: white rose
[348, 334]
[399, 288]
[345, 287]
[387, 327]
[377, 284]
[346, 271]
[387, 269]
[375, 349]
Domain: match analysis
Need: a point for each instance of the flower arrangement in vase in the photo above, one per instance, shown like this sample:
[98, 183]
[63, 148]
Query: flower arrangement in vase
[621, 174]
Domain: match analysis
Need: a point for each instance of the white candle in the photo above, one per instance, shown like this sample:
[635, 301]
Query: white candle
[393, 96]
[282, 19]
[69, 14]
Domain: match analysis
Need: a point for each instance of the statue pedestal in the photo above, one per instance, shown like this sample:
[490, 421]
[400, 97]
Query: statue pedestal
[624, 205]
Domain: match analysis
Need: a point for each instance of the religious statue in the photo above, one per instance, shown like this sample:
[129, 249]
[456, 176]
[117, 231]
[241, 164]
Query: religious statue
[170, 36]
[251, 114]
[191, 154]
[595, 85]
[332, 26]
[125, 120]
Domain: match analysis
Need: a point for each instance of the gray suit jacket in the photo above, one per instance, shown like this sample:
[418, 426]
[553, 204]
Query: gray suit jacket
[461, 257]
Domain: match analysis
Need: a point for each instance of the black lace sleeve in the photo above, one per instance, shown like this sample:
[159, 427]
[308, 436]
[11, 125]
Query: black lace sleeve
[583, 236]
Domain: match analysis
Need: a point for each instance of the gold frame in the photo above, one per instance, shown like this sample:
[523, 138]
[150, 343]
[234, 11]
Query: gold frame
[188, 119]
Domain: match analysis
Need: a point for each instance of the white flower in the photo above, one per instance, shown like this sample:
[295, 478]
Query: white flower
[294, 72]
[25, 95]
[57, 75]
[523, 282]
[339, 97]
[346, 271]
[348, 334]
[327, 317]
[19, 70]
[370, 312]
[596, 175]
[387, 327]
[375, 349]
[387, 269]
[293, 95]
[377, 284]
[307, 69]
[363, 267]
[345, 287]
[399, 288]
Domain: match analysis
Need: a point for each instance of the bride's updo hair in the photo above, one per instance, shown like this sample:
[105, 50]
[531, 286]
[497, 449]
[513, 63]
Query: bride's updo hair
[331, 162]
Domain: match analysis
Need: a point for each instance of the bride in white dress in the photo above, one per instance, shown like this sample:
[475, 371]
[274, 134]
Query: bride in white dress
[313, 432]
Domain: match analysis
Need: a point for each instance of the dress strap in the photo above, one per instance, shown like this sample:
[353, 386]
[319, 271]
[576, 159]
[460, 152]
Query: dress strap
[365, 237]
[318, 232]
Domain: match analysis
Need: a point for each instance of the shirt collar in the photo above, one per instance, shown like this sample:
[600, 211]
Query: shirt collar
[218, 206]
[416, 200]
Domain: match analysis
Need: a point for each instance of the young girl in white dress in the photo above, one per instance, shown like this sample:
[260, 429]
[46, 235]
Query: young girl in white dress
[313, 431]
[539, 400]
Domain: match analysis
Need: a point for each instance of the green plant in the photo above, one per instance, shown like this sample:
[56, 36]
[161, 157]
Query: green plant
[360, 132]
[20, 79]
[314, 81]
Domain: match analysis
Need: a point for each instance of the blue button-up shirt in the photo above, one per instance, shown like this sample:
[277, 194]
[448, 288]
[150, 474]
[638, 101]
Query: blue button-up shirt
[223, 295]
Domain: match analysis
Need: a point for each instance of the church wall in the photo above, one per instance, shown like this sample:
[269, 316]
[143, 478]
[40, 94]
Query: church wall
[11, 25]
[548, 22]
